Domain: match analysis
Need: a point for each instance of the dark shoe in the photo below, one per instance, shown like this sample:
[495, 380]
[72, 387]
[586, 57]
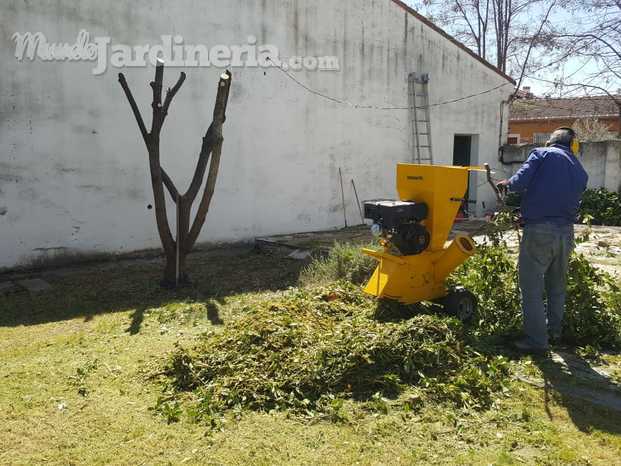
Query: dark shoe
[524, 347]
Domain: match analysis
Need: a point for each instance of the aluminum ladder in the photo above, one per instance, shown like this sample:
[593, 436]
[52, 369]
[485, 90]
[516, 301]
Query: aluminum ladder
[418, 86]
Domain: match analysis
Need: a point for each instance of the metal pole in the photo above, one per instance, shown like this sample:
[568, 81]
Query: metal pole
[358, 202]
[343, 197]
[178, 240]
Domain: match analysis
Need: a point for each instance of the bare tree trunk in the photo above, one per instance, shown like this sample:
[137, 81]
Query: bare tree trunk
[176, 249]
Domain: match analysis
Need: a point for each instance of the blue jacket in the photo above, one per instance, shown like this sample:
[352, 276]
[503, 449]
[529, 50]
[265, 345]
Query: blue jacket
[551, 182]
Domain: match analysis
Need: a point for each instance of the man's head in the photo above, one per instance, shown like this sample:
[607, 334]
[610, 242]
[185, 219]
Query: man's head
[567, 137]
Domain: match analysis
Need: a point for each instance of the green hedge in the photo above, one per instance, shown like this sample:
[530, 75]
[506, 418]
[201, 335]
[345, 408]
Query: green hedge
[601, 207]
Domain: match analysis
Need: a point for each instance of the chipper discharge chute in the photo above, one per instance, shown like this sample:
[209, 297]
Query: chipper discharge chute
[414, 263]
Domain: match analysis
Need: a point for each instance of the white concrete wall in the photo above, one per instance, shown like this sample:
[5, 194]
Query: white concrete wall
[601, 160]
[594, 162]
[73, 168]
[612, 170]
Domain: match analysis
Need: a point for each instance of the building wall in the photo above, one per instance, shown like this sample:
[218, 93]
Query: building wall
[73, 168]
[527, 128]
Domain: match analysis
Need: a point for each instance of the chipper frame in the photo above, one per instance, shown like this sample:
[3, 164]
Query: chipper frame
[414, 263]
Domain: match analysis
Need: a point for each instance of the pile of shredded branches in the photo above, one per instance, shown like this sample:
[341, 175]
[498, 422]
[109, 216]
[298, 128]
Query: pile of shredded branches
[307, 349]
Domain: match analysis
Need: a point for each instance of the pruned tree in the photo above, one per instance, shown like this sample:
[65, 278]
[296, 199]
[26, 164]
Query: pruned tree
[176, 248]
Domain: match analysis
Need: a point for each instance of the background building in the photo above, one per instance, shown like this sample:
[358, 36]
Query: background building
[73, 168]
[533, 119]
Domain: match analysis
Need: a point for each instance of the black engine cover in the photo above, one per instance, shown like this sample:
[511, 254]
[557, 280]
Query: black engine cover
[391, 214]
[399, 221]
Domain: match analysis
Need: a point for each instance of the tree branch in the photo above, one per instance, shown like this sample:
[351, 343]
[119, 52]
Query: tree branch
[212, 136]
[219, 116]
[170, 186]
[157, 174]
[477, 38]
[612, 48]
[203, 207]
[530, 48]
[135, 110]
[584, 86]
[170, 94]
[209, 141]
[156, 104]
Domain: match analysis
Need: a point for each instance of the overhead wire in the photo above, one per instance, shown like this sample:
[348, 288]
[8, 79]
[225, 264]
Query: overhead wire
[377, 107]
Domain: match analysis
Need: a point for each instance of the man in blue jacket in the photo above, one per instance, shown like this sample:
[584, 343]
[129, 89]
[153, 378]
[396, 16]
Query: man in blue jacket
[551, 182]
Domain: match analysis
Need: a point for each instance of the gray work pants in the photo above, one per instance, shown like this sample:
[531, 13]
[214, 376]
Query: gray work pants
[544, 255]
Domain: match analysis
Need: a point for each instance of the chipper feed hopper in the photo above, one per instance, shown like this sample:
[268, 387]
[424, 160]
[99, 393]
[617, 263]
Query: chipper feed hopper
[414, 263]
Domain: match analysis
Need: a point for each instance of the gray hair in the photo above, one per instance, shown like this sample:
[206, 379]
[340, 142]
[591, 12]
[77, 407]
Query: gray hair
[562, 136]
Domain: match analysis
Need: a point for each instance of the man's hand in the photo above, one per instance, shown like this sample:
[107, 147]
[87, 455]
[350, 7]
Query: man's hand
[503, 186]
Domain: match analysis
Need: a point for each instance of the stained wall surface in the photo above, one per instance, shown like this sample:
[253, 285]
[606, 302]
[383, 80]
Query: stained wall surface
[73, 168]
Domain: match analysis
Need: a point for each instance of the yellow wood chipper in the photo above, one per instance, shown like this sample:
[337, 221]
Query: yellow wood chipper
[414, 261]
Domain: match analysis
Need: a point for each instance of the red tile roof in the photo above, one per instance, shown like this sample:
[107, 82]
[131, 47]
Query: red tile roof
[578, 107]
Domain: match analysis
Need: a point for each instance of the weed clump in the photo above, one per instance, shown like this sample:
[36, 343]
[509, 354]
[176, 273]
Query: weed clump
[309, 349]
[344, 261]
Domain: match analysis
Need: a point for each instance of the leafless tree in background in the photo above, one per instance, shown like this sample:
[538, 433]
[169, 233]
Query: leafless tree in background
[592, 129]
[572, 47]
[177, 248]
[497, 30]
[592, 43]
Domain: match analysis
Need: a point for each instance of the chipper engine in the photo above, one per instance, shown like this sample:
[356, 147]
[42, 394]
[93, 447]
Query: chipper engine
[414, 263]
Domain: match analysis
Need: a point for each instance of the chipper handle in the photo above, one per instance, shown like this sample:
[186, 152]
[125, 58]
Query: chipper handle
[488, 173]
[500, 198]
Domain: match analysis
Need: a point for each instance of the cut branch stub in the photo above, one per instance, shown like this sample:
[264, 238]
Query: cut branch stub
[170, 93]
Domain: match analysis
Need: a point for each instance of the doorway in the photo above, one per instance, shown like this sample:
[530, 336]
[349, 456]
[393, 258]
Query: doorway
[462, 148]
[462, 157]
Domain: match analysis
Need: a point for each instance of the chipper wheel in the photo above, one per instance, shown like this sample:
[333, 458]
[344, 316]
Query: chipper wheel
[460, 303]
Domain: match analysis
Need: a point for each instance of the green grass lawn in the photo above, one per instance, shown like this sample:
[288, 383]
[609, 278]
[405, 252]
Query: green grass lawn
[78, 384]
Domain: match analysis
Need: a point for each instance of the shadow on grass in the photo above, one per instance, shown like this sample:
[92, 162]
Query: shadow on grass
[137, 318]
[213, 313]
[99, 289]
[592, 400]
